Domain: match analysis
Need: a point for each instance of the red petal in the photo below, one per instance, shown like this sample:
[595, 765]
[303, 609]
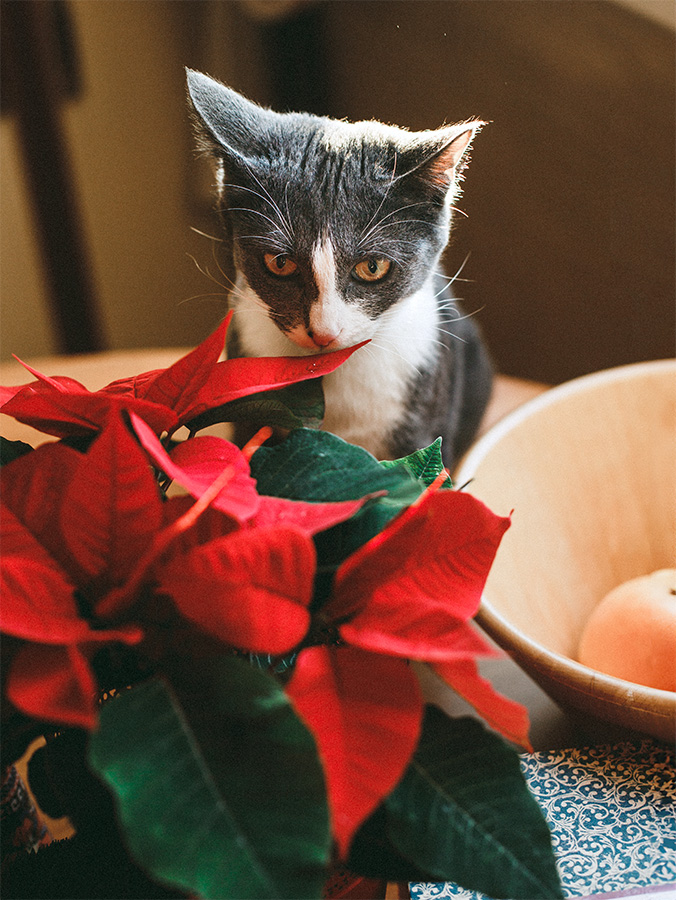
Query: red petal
[134, 386]
[53, 683]
[433, 635]
[235, 378]
[420, 578]
[196, 463]
[33, 487]
[250, 590]
[211, 525]
[37, 598]
[60, 382]
[176, 386]
[37, 603]
[365, 712]
[111, 510]
[79, 411]
[310, 517]
[506, 716]
[7, 392]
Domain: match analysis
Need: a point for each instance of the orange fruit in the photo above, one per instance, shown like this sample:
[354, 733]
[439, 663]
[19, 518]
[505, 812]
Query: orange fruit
[631, 634]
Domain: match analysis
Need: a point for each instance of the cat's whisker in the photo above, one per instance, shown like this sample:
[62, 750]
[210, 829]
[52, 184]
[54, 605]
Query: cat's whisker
[387, 191]
[449, 281]
[367, 350]
[258, 309]
[448, 302]
[267, 240]
[450, 334]
[380, 340]
[363, 238]
[452, 279]
[392, 255]
[214, 241]
[216, 295]
[287, 227]
[399, 209]
[464, 316]
[268, 200]
[443, 290]
[450, 319]
[257, 212]
[210, 237]
[407, 222]
[207, 274]
[251, 298]
[286, 204]
[462, 266]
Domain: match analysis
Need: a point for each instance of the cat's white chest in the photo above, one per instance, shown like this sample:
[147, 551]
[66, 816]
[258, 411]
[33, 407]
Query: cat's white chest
[367, 396]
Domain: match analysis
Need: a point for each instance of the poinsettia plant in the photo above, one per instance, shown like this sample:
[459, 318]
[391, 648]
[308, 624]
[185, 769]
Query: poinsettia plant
[220, 640]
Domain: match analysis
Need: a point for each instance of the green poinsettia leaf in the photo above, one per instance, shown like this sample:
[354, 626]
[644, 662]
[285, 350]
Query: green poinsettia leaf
[299, 405]
[463, 813]
[424, 464]
[11, 450]
[318, 466]
[218, 783]
[373, 855]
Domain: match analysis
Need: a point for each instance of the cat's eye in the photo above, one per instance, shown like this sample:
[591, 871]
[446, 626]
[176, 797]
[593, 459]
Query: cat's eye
[279, 264]
[372, 269]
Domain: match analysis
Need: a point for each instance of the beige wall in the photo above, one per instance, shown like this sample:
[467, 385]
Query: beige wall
[24, 321]
[131, 154]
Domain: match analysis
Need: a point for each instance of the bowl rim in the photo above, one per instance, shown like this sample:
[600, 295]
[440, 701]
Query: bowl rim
[584, 679]
[551, 395]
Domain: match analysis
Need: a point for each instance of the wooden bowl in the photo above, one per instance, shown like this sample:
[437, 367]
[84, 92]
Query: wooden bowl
[589, 469]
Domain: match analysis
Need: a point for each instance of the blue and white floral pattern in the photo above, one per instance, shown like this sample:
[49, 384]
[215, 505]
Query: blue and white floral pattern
[612, 814]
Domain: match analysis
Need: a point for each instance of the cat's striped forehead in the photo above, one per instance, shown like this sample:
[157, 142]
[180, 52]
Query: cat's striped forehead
[342, 137]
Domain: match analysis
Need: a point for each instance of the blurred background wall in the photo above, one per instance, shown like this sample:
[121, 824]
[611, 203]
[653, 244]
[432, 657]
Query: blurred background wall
[569, 196]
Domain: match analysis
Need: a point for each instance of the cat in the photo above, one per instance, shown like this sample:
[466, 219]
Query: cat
[336, 230]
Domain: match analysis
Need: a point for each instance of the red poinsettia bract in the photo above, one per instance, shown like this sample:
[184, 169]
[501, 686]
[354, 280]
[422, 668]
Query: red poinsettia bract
[196, 463]
[408, 594]
[164, 398]
[85, 537]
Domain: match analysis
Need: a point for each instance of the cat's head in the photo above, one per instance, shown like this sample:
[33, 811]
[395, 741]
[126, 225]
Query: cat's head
[332, 222]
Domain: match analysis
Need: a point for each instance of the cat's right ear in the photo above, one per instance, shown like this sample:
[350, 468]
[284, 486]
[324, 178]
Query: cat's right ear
[437, 158]
[227, 123]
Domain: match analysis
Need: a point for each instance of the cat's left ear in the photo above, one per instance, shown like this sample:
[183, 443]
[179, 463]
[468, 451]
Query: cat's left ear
[438, 157]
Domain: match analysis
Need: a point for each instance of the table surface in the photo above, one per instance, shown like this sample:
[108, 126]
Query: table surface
[550, 726]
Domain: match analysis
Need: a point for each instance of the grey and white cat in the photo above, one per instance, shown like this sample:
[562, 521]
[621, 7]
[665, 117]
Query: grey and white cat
[336, 230]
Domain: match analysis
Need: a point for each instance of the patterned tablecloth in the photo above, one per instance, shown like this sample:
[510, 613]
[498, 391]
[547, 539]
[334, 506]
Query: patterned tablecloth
[612, 814]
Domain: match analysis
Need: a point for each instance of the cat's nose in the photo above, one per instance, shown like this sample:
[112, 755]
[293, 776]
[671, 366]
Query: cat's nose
[323, 339]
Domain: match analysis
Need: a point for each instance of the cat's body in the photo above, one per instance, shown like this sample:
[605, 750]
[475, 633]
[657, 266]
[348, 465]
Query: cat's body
[337, 229]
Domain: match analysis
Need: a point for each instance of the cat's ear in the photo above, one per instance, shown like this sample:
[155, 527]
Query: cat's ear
[438, 157]
[227, 123]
